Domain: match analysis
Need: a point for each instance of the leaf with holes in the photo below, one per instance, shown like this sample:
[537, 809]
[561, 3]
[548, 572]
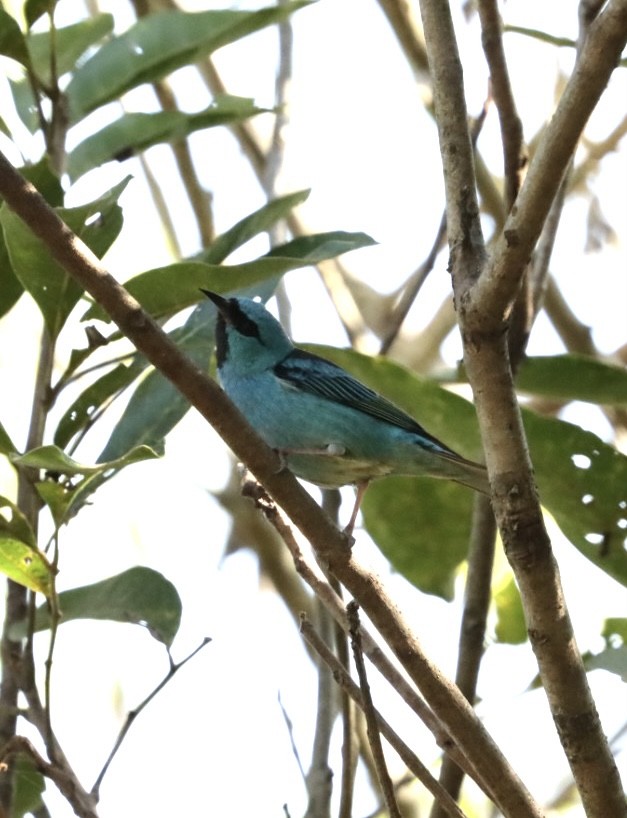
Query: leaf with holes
[90, 403]
[583, 484]
[25, 565]
[14, 524]
[582, 480]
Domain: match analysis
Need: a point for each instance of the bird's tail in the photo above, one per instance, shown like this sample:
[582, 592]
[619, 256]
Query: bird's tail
[466, 472]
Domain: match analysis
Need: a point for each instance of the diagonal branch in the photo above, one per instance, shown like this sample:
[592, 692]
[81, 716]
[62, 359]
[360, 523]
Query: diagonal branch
[331, 546]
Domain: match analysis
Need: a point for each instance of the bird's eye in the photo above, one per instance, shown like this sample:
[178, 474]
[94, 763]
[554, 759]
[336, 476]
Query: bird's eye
[242, 323]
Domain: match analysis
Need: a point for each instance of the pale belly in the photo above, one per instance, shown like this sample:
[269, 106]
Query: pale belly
[326, 444]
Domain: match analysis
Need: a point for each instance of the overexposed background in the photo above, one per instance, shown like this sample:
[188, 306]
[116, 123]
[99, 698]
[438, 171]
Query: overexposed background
[214, 742]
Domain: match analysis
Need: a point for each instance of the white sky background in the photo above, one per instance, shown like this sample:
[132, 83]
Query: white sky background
[214, 741]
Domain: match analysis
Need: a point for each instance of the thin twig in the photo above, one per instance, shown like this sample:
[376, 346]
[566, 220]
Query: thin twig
[199, 199]
[331, 502]
[412, 762]
[412, 288]
[335, 606]
[13, 653]
[320, 775]
[493, 293]
[290, 731]
[132, 715]
[371, 714]
[161, 206]
[511, 126]
[413, 285]
[477, 600]
[55, 618]
[485, 294]
[331, 545]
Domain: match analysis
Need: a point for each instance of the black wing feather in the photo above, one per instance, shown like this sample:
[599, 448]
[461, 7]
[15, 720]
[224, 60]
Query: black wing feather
[320, 377]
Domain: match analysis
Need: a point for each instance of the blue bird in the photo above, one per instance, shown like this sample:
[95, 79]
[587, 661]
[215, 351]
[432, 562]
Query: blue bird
[329, 428]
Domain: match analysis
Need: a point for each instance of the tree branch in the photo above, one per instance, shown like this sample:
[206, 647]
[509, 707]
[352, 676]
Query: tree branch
[385, 781]
[485, 294]
[490, 301]
[511, 126]
[473, 627]
[82, 803]
[331, 546]
[413, 763]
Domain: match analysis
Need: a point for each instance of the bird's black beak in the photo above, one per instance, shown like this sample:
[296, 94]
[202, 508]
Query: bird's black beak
[221, 303]
[226, 306]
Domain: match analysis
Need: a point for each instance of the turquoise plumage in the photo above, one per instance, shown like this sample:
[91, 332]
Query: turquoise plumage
[330, 428]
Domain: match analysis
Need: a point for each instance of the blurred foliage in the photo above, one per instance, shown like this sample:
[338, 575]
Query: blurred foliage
[421, 525]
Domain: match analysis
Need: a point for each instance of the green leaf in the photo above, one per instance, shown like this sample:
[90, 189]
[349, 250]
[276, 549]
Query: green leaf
[34, 9]
[12, 42]
[443, 414]
[615, 627]
[14, 524]
[25, 565]
[511, 627]
[322, 246]
[582, 480]
[167, 290]
[28, 786]
[613, 660]
[410, 519]
[80, 415]
[41, 176]
[157, 45]
[6, 444]
[573, 377]
[70, 43]
[258, 222]
[157, 406]
[10, 286]
[583, 484]
[65, 497]
[55, 292]
[133, 133]
[140, 596]
[25, 103]
[47, 183]
[54, 459]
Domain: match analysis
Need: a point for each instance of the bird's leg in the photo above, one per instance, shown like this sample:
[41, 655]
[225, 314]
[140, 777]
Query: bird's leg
[361, 490]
